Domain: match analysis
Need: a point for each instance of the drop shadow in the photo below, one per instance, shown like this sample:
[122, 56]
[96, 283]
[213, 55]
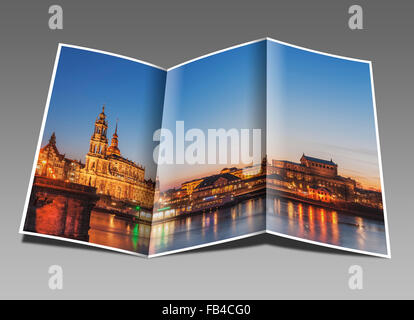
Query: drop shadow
[277, 241]
[257, 240]
[64, 243]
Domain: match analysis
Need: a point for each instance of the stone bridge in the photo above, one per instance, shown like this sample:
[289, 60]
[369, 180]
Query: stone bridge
[60, 208]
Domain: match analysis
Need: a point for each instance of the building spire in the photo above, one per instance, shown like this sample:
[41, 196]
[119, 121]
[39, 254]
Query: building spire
[98, 142]
[102, 115]
[52, 139]
[113, 148]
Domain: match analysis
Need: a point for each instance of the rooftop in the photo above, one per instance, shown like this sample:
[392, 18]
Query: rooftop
[331, 163]
[212, 179]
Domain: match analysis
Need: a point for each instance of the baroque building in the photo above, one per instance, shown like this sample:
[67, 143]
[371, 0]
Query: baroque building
[52, 164]
[105, 168]
[112, 174]
[316, 176]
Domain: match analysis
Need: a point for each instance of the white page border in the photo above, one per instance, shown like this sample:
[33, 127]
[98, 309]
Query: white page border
[51, 85]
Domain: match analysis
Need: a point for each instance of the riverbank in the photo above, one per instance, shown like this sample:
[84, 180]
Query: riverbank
[351, 209]
[123, 215]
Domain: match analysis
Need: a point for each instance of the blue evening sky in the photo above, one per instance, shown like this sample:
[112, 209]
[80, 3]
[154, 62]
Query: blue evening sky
[225, 90]
[322, 106]
[132, 92]
[316, 104]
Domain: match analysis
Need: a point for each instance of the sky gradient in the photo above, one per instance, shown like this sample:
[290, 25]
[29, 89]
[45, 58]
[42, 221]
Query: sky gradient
[132, 92]
[303, 102]
[225, 90]
[321, 106]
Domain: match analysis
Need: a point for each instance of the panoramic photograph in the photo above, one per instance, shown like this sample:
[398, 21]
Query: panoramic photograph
[208, 186]
[323, 167]
[94, 176]
[260, 137]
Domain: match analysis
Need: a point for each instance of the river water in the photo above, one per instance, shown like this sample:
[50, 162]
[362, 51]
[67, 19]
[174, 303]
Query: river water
[243, 218]
[284, 216]
[309, 222]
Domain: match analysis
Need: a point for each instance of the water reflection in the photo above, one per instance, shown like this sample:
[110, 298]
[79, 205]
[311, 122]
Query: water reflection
[108, 230]
[242, 218]
[323, 225]
[284, 216]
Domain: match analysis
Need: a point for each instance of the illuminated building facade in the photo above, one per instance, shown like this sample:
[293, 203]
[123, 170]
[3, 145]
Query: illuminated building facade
[312, 178]
[320, 194]
[312, 173]
[105, 168]
[110, 173]
[52, 164]
[211, 191]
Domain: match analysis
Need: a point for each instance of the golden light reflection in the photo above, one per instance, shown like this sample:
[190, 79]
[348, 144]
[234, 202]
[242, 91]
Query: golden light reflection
[112, 221]
[233, 213]
[249, 207]
[335, 228]
[215, 219]
[323, 225]
[291, 216]
[360, 232]
[203, 225]
[301, 225]
[322, 213]
[334, 216]
[249, 212]
[311, 223]
[107, 230]
[290, 209]
[188, 227]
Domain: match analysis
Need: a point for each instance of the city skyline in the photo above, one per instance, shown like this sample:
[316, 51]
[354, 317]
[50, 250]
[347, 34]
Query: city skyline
[132, 93]
[305, 102]
[341, 172]
[239, 88]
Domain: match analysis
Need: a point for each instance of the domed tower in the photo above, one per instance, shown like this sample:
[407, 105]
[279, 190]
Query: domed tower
[113, 148]
[98, 142]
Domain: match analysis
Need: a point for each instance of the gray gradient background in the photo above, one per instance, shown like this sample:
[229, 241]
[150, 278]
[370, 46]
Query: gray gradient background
[167, 33]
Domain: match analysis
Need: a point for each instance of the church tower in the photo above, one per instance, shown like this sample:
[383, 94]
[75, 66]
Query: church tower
[113, 149]
[98, 142]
